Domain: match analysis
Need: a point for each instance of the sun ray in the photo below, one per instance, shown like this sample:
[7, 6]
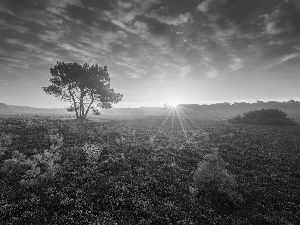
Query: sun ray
[172, 121]
[197, 113]
[184, 132]
[190, 119]
[167, 117]
[162, 124]
[161, 113]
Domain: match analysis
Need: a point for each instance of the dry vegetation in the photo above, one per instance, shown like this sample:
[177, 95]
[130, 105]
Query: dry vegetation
[146, 171]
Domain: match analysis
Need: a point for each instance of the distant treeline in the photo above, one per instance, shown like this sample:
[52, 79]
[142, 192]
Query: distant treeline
[218, 110]
[292, 108]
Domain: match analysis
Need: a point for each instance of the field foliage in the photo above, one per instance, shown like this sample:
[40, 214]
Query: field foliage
[147, 170]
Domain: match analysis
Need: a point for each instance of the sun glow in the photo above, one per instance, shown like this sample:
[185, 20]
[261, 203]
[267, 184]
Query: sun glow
[173, 104]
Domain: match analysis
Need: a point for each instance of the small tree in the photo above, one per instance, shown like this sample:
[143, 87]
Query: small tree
[85, 87]
[212, 177]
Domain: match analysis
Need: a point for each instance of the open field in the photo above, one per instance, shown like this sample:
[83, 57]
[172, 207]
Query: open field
[140, 171]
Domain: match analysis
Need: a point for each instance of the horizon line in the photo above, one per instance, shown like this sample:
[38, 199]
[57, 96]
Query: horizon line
[161, 104]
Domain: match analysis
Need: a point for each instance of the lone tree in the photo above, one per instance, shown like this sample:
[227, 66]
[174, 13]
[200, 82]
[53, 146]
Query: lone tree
[85, 87]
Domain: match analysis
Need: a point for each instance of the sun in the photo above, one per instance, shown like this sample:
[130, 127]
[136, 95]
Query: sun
[173, 104]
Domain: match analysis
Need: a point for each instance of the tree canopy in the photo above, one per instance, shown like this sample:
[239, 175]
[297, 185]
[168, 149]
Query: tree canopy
[85, 87]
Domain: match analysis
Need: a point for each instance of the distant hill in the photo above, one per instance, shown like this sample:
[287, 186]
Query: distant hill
[20, 110]
[5, 109]
[134, 111]
[292, 108]
[218, 110]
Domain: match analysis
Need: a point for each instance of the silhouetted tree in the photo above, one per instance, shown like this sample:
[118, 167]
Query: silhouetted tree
[85, 87]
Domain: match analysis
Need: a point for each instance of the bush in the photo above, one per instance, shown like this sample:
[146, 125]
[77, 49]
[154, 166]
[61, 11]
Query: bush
[212, 177]
[274, 117]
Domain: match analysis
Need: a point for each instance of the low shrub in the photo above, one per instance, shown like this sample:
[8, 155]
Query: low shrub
[212, 178]
[273, 117]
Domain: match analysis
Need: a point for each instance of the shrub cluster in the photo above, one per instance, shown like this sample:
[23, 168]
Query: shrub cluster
[273, 117]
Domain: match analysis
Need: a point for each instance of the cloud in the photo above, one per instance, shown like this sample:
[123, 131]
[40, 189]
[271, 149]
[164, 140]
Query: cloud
[242, 36]
[141, 27]
[284, 22]
[212, 74]
[127, 11]
[180, 20]
[203, 6]
[242, 17]
[183, 71]
[288, 57]
[125, 5]
[95, 4]
[236, 64]
[119, 23]
[282, 32]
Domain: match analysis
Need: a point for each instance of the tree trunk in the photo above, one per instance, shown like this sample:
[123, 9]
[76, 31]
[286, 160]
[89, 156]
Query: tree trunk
[74, 102]
[88, 108]
[81, 107]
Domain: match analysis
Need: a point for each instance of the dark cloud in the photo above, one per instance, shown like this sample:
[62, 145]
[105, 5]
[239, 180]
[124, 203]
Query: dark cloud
[242, 15]
[82, 14]
[283, 23]
[117, 48]
[156, 27]
[281, 38]
[20, 7]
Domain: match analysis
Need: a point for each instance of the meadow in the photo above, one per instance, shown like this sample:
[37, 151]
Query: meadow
[141, 170]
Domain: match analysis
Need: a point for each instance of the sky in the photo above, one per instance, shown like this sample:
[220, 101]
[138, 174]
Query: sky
[156, 51]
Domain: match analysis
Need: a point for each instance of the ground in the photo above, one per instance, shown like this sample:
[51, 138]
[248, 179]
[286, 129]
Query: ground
[140, 171]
